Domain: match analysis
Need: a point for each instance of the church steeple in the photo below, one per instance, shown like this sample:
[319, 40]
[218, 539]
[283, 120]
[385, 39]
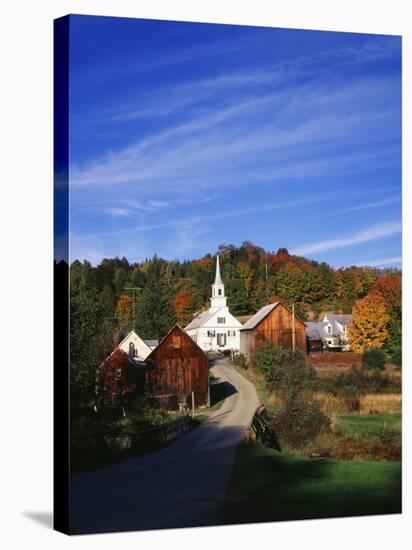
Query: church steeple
[218, 298]
[218, 278]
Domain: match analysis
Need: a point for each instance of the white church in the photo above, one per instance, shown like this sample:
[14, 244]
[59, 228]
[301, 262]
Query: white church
[216, 328]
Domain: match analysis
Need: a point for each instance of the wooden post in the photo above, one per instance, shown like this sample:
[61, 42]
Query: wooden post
[193, 404]
[293, 327]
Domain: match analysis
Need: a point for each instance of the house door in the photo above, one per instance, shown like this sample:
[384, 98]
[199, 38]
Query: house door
[221, 339]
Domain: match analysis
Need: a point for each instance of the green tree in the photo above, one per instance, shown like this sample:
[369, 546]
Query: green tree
[155, 316]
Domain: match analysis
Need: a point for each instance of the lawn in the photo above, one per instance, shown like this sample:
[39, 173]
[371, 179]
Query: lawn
[271, 486]
[362, 425]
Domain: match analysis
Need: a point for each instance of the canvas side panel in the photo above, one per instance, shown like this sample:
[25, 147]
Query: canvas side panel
[61, 275]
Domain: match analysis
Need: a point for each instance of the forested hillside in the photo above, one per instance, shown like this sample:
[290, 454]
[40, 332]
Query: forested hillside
[253, 277]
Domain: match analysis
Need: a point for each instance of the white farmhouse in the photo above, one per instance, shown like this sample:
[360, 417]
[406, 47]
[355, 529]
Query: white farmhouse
[216, 328]
[332, 330]
[136, 348]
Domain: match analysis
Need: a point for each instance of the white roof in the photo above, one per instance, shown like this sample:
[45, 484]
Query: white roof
[201, 319]
[259, 316]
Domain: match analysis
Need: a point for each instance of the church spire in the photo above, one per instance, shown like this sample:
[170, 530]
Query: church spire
[218, 288]
[218, 278]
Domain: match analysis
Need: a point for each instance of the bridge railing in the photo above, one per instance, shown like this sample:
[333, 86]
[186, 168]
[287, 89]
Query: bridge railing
[262, 430]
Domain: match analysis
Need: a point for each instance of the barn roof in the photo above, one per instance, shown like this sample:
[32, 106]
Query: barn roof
[119, 354]
[261, 314]
[164, 338]
[151, 343]
[314, 330]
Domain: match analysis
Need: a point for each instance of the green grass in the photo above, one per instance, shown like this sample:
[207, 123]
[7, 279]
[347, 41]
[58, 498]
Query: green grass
[362, 425]
[271, 486]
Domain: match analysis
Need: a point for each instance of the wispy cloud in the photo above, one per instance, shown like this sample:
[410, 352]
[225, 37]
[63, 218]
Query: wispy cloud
[233, 140]
[372, 233]
[117, 211]
[376, 204]
[383, 262]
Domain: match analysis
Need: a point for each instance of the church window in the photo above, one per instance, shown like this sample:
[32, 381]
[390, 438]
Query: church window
[231, 333]
[221, 320]
[211, 333]
[219, 291]
[132, 351]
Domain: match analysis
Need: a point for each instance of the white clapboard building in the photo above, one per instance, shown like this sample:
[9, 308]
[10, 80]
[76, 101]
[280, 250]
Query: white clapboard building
[216, 328]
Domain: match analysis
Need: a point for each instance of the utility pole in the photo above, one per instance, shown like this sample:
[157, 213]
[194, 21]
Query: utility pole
[133, 288]
[293, 327]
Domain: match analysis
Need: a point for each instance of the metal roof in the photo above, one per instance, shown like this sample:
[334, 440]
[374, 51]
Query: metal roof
[339, 318]
[259, 316]
[201, 319]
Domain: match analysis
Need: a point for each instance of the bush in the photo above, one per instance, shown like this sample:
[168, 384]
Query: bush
[374, 358]
[285, 371]
[396, 356]
[299, 422]
[241, 361]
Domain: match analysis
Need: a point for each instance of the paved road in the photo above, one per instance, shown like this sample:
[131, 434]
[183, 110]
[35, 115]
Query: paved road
[179, 486]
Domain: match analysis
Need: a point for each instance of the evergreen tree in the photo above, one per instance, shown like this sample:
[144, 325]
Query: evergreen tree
[155, 316]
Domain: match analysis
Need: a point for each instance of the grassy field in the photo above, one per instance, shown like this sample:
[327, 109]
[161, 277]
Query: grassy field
[362, 425]
[271, 486]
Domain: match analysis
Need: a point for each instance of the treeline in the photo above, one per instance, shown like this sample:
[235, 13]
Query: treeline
[252, 276]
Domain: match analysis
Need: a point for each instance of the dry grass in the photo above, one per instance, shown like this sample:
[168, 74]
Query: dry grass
[331, 404]
[390, 403]
[371, 403]
[275, 400]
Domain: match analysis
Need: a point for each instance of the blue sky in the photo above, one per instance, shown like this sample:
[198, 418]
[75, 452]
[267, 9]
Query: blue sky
[184, 136]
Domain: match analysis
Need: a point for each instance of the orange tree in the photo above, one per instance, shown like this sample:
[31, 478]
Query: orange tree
[369, 325]
[183, 306]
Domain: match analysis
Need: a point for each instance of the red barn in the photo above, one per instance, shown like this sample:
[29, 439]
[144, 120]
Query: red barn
[119, 380]
[176, 368]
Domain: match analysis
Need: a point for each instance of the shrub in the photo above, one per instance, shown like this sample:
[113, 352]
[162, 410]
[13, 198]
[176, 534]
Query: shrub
[374, 358]
[396, 356]
[241, 361]
[351, 395]
[299, 422]
[285, 371]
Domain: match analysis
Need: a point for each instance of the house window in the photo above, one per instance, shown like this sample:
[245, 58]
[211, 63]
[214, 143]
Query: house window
[117, 374]
[221, 339]
[344, 328]
[329, 329]
[231, 333]
[221, 320]
[176, 342]
[211, 333]
[132, 351]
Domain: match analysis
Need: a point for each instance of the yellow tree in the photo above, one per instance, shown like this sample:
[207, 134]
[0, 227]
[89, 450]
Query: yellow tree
[369, 325]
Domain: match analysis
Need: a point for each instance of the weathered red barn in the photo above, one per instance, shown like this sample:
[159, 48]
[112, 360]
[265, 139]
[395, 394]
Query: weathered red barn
[272, 323]
[119, 380]
[176, 368]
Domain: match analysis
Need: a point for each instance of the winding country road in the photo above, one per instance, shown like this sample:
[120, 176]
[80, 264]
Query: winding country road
[178, 486]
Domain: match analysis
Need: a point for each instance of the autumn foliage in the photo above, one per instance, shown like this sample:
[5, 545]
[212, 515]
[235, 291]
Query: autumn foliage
[124, 306]
[183, 306]
[369, 326]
